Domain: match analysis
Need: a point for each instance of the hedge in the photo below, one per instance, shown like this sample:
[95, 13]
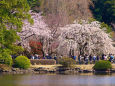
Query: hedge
[67, 62]
[102, 65]
[43, 61]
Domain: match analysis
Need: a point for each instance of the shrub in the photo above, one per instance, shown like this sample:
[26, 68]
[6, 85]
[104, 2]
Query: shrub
[22, 62]
[36, 47]
[108, 28]
[67, 62]
[102, 65]
[5, 58]
[91, 20]
[43, 62]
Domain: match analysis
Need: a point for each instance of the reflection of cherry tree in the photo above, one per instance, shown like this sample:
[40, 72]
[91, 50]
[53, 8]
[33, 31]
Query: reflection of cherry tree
[86, 39]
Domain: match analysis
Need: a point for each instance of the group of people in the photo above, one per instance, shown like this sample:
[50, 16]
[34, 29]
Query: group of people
[92, 59]
[81, 59]
[36, 56]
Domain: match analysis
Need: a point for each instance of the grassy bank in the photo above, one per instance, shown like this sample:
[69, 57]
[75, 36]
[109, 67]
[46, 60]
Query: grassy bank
[84, 67]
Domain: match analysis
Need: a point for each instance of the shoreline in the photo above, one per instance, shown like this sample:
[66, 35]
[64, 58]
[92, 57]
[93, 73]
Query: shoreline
[56, 69]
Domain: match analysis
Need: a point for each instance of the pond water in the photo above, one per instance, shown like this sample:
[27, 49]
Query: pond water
[57, 80]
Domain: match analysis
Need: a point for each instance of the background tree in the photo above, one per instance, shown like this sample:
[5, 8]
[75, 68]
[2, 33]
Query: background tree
[12, 13]
[35, 4]
[104, 10]
[39, 32]
[84, 38]
[36, 47]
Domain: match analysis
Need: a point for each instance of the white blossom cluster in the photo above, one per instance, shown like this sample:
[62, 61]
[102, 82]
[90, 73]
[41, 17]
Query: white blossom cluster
[37, 30]
[85, 38]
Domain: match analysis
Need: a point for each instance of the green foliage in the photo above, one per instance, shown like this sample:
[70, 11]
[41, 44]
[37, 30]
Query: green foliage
[102, 65]
[7, 39]
[12, 13]
[108, 28]
[67, 62]
[35, 5]
[105, 26]
[91, 20]
[5, 58]
[104, 10]
[22, 62]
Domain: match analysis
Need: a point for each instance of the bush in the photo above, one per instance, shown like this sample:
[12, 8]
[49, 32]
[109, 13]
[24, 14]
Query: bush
[91, 20]
[108, 28]
[43, 62]
[5, 58]
[67, 62]
[22, 62]
[102, 65]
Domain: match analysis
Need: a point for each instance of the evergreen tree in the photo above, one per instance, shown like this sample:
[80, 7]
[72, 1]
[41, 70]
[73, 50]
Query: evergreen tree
[35, 4]
[12, 12]
[104, 10]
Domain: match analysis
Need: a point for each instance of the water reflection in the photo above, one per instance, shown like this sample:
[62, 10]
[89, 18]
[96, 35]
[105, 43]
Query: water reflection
[57, 80]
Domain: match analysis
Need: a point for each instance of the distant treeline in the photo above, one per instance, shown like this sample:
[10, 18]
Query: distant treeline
[104, 10]
[101, 10]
